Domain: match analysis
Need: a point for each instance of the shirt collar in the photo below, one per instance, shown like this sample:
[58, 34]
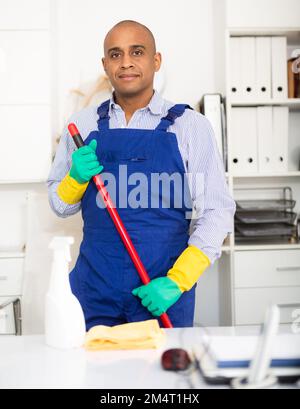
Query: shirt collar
[155, 105]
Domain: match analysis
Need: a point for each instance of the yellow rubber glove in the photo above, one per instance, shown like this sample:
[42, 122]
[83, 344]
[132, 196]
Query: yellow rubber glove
[70, 191]
[189, 266]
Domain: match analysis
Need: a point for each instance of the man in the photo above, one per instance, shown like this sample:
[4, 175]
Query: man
[135, 133]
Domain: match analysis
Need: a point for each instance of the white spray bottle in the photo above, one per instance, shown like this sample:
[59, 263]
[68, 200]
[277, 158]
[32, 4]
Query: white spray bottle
[64, 319]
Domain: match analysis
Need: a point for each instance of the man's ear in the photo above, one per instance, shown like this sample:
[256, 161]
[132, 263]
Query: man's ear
[103, 63]
[157, 61]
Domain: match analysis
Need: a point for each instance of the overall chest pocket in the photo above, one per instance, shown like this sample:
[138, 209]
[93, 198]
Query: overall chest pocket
[117, 157]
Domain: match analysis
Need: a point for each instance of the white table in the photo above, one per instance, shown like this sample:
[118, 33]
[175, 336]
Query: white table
[26, 362]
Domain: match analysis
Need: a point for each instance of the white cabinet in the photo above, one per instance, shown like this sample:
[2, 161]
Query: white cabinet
[262, 278]
[13, 205]
[251, 304]
[11, 282]
[11, 276]
[24, 15]
[273, 268]
[24, 67]
[7, 319]
[25, 142]
[25, 90]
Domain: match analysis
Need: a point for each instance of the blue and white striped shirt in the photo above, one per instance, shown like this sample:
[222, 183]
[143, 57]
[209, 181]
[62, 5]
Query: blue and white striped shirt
[198, 148]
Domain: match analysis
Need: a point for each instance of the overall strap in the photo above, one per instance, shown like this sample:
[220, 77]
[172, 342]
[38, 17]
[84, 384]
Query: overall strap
[173, 113]
[102, 111]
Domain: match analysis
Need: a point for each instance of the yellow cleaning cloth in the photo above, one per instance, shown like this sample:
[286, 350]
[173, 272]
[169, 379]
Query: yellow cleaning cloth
[134, 335]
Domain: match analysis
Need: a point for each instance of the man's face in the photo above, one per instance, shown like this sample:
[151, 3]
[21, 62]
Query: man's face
[130, 60]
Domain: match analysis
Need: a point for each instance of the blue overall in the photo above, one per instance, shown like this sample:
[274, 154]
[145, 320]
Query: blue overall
[104, 275]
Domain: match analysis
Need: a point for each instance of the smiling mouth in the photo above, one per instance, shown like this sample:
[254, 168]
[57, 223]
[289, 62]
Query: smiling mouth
[129, 77]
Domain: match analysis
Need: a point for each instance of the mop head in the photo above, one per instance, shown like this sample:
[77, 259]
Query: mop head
[134, 335]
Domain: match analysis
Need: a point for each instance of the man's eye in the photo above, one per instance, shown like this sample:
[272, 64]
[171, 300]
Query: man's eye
[138, 52]
[114, 55]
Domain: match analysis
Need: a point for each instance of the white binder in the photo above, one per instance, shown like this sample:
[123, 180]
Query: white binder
[235, 68]
[280, 138]
[248, 68]
[244, 141]
[279, 68]
[263, 67]
[212, 111]
[266, 162]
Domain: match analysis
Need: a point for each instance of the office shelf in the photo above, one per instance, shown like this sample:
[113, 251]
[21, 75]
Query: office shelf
[20, 181]
[230, 302]
[292, 103]
[242, 247]
[268, 175]
[12, 254]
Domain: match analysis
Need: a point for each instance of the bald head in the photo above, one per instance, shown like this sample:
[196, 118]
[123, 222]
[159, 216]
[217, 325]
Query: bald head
[134, 27]
[130, 59]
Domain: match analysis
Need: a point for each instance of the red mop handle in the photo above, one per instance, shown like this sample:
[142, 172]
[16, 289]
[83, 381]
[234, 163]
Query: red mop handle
[118, 223]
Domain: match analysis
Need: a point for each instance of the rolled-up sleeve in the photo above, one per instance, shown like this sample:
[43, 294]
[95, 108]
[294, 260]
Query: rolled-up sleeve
[213, 204]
